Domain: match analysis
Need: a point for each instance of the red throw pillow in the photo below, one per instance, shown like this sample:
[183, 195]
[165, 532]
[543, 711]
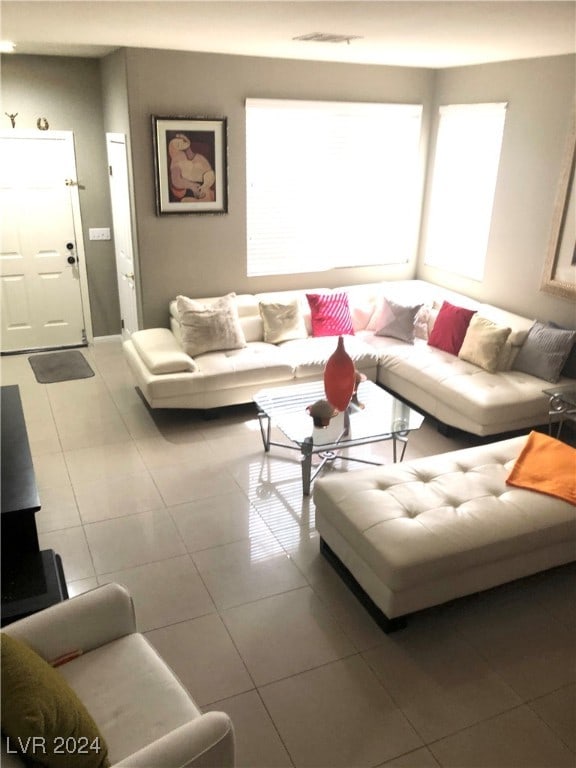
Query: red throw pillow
[330, 314]
[450, 327]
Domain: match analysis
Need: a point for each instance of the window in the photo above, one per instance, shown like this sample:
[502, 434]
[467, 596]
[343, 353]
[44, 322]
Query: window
[463, 185]
[331, 184]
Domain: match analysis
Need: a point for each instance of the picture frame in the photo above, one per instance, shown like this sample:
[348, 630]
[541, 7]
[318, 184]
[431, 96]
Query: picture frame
[190, 159]
[559, 275]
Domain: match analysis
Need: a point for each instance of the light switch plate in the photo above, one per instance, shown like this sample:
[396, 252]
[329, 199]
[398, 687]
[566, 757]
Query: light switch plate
[99, 233]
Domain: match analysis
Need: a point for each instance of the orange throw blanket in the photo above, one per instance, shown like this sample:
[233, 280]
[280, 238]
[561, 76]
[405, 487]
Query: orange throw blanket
[546, 465]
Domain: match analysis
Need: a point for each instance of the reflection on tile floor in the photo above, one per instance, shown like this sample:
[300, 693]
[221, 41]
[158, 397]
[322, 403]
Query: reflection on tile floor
[218, 547]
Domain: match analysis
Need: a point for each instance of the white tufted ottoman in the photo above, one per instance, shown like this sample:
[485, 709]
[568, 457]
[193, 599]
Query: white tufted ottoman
[429, 530]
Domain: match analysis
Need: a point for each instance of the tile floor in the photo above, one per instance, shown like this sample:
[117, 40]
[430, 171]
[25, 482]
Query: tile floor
[217, 545]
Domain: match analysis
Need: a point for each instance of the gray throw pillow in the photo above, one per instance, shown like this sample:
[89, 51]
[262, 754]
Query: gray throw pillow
[397, 321]
[569, 368]
[544, 352]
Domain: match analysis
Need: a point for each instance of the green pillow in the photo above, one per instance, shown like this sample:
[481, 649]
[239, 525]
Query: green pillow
[38, 702]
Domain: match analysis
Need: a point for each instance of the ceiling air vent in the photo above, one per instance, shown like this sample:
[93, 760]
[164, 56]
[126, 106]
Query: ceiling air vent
[326, 37]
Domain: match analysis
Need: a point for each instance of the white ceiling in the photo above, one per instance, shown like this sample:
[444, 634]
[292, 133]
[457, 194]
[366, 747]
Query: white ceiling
[428, 33]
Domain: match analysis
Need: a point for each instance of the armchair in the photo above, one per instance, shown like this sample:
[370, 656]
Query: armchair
[145, 715]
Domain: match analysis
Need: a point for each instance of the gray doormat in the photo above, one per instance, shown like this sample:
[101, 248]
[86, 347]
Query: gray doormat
[60, 366]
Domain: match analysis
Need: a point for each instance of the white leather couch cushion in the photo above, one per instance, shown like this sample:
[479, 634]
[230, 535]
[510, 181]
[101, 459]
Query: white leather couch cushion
[441, 516]
[308, 356]
[257, 363]
[161, 352]
[488, 398]
[139, 674]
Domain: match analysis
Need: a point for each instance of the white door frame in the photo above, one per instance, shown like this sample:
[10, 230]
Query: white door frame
[79, 230]
[120, 138]
[68, 136]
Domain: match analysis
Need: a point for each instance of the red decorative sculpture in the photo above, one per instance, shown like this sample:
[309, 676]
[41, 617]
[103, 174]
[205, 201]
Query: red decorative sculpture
[339, 377]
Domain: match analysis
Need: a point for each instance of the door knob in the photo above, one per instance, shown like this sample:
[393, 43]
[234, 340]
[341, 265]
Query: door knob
[129, 275]
[71, 260]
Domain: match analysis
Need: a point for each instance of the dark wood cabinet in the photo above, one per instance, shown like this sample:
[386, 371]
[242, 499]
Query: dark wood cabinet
[31, 579]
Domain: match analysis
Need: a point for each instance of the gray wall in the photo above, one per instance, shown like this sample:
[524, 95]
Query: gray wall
[115, 105]
[67, 91]
[116, 114]
[204, 255]
[540, 95]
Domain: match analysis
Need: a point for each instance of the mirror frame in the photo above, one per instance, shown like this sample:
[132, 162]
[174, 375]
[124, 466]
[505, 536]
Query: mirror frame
[561, 231]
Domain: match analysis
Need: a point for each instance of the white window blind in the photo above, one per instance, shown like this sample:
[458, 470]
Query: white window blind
[463, 184]
[330, 184]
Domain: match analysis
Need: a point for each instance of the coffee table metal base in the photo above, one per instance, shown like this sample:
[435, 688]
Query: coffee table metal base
[561, 407]
[331, 451]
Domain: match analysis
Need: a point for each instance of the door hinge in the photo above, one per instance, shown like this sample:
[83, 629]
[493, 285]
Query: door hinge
[84, 337]
[110, 170]
[122, 323]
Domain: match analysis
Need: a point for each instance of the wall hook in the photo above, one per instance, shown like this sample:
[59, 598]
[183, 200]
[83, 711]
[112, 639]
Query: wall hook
[12, 118]
[42, 124]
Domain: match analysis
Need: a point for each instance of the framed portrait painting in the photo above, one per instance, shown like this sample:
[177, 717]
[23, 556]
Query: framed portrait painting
[559, 275]
[190, 164]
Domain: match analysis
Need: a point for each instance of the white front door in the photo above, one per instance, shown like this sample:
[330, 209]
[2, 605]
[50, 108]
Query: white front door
[44, 293]
[121, 220]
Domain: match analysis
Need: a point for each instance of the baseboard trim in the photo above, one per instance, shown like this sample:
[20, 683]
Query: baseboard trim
[107, 339]
[38, 350]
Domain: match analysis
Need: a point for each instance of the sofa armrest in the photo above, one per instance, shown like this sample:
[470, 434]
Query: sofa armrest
[206, 742]
[80, 624]
[161, 352]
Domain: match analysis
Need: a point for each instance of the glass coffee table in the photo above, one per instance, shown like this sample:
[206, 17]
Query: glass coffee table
[382, 418]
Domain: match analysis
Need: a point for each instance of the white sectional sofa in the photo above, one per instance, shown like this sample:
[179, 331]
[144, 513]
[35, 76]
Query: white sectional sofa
[456, 392]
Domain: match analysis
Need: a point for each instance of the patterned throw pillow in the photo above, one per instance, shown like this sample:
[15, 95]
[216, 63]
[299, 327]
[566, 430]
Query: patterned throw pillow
[569, 368]
[330, 314]
[211, 326]
[422, 322]
[450, 327]
[544, 352]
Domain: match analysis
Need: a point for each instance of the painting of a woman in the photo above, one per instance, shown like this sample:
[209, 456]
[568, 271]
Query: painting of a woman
[192, 177]
[190, 164]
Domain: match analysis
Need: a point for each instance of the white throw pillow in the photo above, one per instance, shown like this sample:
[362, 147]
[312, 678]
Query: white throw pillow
[282, 321]
[483, 343]
[209, 327]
